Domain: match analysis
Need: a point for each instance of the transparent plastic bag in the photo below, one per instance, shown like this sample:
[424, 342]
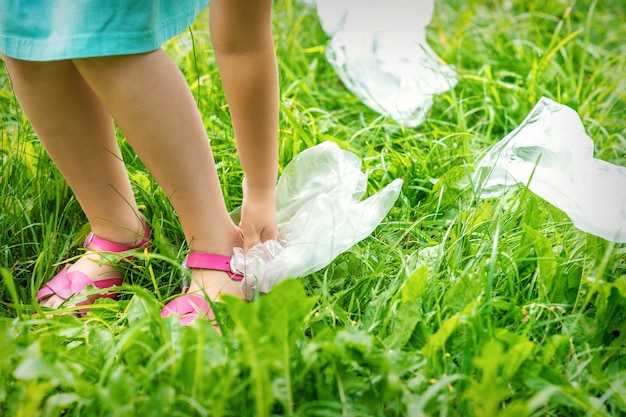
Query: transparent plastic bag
[319, 216]
[379, 50]
[551, 153]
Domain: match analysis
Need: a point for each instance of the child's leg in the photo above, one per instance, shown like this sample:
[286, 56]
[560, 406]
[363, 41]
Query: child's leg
[152, 104]
[77, 131]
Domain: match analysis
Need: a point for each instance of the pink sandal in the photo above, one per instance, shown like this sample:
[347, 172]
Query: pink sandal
[66, 284]
[189, 307]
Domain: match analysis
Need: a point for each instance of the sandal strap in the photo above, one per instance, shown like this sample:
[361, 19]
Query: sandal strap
[188, 308]
[65, 284]
[97, 244]
[204, 260]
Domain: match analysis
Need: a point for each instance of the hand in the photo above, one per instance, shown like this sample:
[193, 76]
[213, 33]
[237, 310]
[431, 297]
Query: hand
[258, 216]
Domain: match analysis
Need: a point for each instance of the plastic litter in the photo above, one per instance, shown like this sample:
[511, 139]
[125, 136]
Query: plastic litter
[379, 50]
[319, 216]
[551, 153]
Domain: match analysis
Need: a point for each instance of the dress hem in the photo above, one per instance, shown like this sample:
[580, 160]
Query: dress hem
[91, 45]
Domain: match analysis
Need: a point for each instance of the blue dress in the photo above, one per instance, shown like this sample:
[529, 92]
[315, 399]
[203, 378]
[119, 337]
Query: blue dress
[47, 30]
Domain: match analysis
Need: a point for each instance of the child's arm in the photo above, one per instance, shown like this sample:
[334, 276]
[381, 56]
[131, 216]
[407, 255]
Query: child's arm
[241, 34]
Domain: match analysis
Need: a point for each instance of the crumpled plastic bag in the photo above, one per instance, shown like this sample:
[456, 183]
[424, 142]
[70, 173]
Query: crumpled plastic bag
[551, 153]
[319, 216]
[379, 50]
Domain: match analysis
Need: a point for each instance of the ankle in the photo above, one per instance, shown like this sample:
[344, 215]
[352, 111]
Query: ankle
[223, 246]
[129, 236]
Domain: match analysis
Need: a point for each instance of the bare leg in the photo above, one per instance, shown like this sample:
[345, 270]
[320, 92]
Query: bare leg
[77, 131]
[152, 104]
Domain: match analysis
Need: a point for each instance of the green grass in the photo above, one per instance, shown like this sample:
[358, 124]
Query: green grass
[454, 306]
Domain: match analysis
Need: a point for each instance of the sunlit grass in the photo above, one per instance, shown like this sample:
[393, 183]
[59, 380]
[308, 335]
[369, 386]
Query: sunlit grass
[454, 306]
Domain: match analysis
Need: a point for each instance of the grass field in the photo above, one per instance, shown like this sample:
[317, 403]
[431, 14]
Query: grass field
[454, 306]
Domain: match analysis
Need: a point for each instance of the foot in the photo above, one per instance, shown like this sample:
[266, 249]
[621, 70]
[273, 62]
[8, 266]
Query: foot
[90, 269]
[89, 264]
[194, 302]
[211, 277]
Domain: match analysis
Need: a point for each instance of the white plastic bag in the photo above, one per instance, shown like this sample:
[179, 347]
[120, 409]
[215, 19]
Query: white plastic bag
[379, 50]
[551, 154]
[319, 216]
